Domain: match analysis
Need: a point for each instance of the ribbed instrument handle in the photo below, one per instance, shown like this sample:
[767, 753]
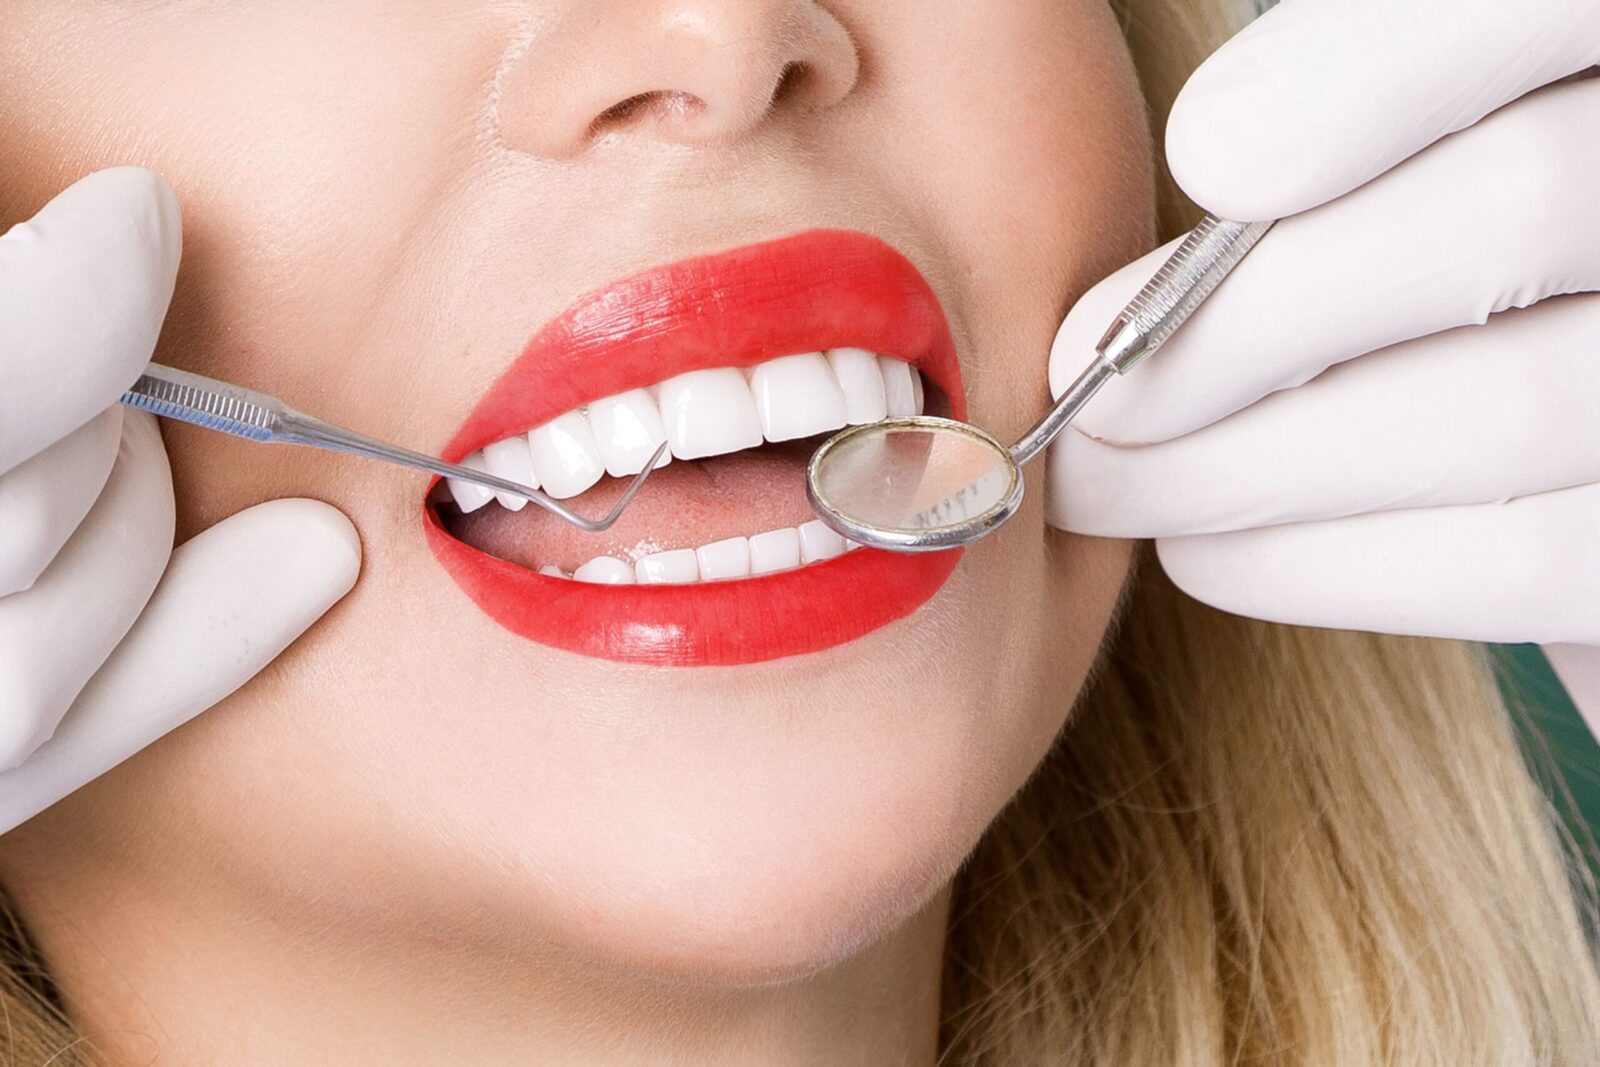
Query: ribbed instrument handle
[176, 394]
[1195, 268]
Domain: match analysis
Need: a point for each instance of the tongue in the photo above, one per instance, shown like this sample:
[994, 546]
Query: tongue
[686, 504]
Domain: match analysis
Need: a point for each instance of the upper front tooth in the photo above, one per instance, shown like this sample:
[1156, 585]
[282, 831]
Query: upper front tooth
[899, 394]
[797, 396]
[470, 497]
[565, 455]
[628, 429]
[708, 413]
[511, 460]
[862, 383]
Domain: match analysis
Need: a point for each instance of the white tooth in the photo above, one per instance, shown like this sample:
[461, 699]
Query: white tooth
[628, 429]
[510, 459]
[851, 546]
[724, 559]
[916, 391]
[708, 413]
[775, 550]
[469, 497]
[797, 396]
[551, 570]
[605, 570]
[899, 396]
[565, 455]
[818, 542]
[862, 382]
[677, 567]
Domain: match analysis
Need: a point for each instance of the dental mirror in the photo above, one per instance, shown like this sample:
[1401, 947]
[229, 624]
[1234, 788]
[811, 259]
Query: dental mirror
[925, 483]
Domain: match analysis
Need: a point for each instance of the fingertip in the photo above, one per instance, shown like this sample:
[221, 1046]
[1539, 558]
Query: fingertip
[1181, 560]
[1227, 571]
[1226, 153]
[317, 538]
[127, 211]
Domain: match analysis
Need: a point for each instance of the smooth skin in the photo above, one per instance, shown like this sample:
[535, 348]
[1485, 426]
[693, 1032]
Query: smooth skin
[415, 838]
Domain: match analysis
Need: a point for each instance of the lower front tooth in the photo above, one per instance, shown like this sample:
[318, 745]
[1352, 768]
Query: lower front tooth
[605, 570]
[510, 459]
[677, 567]
[775, 550]
[818, 542]
[724, 559]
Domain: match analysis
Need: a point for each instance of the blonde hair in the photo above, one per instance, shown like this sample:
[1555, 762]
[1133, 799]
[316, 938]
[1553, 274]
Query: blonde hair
[1252, 843]
[1270, 844]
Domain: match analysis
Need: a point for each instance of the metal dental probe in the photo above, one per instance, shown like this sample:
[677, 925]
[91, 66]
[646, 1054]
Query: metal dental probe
[231, 409]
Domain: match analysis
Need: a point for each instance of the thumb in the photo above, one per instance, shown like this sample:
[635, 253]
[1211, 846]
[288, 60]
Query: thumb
[231, 600]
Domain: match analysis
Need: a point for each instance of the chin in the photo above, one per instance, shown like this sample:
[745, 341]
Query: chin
[736, 911]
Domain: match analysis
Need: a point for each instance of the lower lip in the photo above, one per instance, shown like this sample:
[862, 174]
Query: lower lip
[703, 625]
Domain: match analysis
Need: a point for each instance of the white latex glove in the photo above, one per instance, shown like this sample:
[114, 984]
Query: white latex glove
[1443, 477]
[108, 637]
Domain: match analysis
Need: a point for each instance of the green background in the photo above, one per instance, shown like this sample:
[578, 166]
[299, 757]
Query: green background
[1562, 752]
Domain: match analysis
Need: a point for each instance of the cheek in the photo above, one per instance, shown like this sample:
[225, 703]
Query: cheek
[309, 159]
[1047, 87]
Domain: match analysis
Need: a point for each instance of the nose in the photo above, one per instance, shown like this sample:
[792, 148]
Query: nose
[688, 72]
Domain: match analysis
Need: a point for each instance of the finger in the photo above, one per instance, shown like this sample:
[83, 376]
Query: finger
[54, 636]
[1500, 216]
[232, 599]
[83, 289]
[1525, 570]
[1473, 415]
[1317, 97]
[45, 498]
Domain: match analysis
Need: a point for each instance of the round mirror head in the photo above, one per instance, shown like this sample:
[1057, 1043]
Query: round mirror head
[914, 484]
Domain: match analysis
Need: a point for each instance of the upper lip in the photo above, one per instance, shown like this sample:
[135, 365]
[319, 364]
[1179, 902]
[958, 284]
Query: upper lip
[813, 291]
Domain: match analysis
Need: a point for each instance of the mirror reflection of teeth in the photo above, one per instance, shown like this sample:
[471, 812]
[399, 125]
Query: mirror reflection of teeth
[733, 557]
[699, 414]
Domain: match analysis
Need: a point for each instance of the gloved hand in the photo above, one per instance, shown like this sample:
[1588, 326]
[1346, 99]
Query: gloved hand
[1355, 431]
[108, 637]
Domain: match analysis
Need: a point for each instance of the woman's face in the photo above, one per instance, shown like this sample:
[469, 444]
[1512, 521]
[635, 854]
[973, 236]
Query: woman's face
[386, 205]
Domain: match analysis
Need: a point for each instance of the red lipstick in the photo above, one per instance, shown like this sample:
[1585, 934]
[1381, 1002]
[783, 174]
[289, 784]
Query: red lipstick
[817, 290]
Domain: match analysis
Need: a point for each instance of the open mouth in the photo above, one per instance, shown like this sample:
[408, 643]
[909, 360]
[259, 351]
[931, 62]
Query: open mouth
[743, 363]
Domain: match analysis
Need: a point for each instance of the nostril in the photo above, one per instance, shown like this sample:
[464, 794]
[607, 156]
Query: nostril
[792, 82]
[665, 104]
